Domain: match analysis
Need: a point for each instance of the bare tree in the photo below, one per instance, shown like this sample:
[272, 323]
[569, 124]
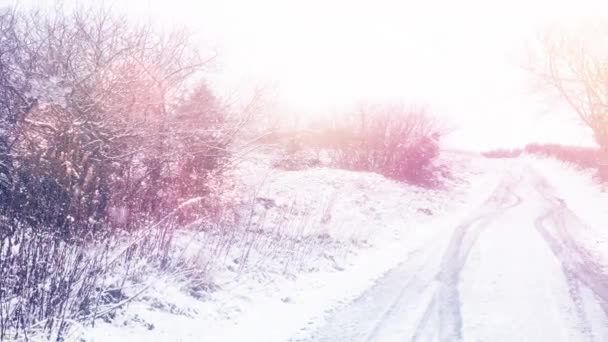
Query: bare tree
[574, 64]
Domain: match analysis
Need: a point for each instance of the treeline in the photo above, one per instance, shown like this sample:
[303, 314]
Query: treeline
[584, 157]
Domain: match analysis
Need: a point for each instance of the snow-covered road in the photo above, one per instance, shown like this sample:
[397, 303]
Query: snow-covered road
[512, 271]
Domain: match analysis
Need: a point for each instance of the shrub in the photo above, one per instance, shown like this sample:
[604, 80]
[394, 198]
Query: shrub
[111, 139]
[394, 141]
[583, 157]
[45, 282]
[108, 136]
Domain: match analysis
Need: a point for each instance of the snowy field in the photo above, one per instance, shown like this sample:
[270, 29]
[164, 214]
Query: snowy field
[333, 252]
[342, 230]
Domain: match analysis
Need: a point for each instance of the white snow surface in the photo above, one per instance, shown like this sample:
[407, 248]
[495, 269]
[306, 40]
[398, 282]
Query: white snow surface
[512, 250]
[587, 199]
[519, 267]
[366, 225]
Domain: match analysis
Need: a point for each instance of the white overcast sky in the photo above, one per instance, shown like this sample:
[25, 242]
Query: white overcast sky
[461, 58]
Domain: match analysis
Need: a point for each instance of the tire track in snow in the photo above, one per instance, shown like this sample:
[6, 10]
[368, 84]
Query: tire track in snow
[577, 264]
[426, 318]
[448, 297]
[445, 302]
[571, 278]
[454, 259]
[388, 293]
[394, 296]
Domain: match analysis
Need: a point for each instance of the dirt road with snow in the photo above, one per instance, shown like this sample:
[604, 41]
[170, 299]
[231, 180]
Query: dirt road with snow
[512, 271]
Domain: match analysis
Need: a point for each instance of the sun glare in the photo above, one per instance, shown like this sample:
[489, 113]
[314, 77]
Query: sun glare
[462, 59]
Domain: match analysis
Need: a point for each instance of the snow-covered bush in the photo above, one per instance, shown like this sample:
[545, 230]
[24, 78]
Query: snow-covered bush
[106, 133]
[395, 141]
[582, 157]
[108, 138]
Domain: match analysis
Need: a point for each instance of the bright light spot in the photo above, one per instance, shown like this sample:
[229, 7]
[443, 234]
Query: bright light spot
[462, 58]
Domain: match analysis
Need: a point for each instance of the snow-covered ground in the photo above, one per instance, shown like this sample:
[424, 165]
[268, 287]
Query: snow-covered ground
[586, 198]
[518, 268]
[339, 232]
[511, 250]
